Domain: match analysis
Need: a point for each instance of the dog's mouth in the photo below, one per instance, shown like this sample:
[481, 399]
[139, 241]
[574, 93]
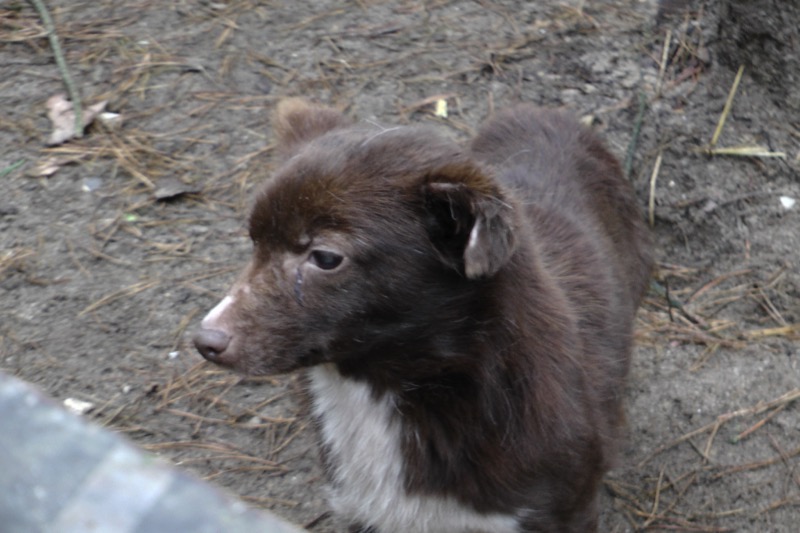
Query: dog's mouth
[283, 364]
[259, 357]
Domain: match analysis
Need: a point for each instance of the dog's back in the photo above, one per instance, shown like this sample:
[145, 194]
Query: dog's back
[586, 224]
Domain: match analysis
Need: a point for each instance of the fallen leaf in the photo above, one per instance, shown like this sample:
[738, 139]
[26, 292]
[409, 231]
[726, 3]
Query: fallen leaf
[170, 188]
[62, 115]
[49, 166]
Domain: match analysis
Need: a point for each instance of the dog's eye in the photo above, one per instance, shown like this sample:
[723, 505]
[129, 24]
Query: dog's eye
[326, 260]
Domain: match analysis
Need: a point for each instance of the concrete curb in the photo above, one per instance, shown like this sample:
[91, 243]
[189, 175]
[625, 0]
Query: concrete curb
[61, 474]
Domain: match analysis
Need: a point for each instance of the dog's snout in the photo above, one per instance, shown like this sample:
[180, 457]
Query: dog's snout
[211, 343]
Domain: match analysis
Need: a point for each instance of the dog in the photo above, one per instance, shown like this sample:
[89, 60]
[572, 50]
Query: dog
[462, 315]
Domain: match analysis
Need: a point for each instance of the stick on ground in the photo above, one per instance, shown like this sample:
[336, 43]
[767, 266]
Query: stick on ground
[72, 89]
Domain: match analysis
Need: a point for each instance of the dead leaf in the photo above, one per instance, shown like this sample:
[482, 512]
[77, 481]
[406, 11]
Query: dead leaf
[170, 188]
[49, 166]
[62, 115]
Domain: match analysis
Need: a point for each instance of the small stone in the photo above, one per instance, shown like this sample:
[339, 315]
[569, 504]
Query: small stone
[79, 407]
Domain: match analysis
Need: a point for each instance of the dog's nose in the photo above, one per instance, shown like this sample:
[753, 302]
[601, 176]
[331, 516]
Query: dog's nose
[211, 343]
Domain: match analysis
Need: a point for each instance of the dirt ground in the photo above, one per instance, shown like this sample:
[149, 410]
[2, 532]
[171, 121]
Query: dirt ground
[108, 263]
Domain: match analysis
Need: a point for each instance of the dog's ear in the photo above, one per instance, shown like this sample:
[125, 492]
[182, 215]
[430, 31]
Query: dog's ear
[297, 121]
[470, 223]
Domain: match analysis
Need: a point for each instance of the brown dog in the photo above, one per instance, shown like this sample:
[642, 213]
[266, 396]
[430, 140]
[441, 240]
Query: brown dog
[463, 315]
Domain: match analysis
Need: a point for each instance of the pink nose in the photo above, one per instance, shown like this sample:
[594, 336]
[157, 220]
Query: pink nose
[211, 343]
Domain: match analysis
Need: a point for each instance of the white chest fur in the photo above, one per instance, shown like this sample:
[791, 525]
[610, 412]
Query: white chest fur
[363, 437]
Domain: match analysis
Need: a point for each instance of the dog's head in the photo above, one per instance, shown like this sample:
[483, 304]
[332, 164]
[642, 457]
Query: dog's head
[364, 237]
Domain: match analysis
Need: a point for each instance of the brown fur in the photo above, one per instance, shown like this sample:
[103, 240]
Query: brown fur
[491, 289]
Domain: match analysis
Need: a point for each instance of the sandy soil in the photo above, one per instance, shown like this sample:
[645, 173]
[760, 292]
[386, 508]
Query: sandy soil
[106, 264]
